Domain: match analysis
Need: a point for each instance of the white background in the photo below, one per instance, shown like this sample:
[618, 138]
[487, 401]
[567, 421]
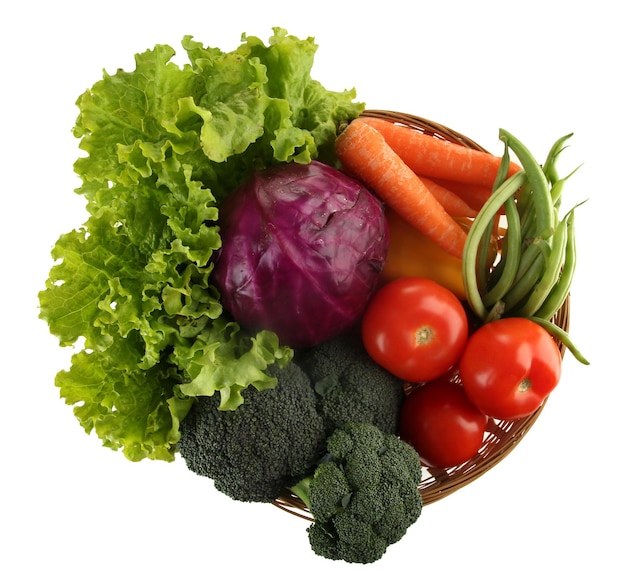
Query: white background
[538, 69]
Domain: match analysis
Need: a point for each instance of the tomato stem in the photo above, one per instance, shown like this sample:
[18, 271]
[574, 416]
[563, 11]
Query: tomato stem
[423, 335]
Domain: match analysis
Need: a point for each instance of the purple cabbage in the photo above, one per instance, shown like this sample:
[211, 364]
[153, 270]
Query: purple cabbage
[303, 247]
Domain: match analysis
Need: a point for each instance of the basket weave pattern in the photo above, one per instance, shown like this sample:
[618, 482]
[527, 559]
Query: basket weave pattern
[502, 436]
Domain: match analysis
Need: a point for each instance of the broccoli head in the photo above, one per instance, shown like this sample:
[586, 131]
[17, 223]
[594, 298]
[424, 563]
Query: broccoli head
[363, 495]
[269, 442]
[350, 386]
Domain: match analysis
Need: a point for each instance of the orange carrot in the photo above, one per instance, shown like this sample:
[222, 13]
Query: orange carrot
[474, 195]
[439, 159]
[364, 153]
[454, 205]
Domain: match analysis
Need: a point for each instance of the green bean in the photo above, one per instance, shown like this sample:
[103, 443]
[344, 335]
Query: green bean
[524, 199]
[551, 271]
[549, 167]
[528, 223]
[495, 271]
[557, 187]
[540, 186]
[561, 335]
[555, 184]
[530, 269]
[561, 289]
[483, 263]
[503, 169]
[511, 260]
[476, 233]
[537, 247]
[496, 311]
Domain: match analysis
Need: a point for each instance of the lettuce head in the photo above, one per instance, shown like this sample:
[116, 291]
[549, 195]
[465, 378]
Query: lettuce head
[130, 289]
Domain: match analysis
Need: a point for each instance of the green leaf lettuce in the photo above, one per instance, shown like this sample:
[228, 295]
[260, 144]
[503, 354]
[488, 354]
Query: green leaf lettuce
[131, 289]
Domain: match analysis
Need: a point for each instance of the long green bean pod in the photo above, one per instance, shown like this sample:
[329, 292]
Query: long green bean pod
[561, 289]
[503, 169]
[474, 236]
[511, 260]
[528, 224]
[526, 205]
[550, 164]
[533, 262]
[561, 335]
[537, 247]
[483, 274]
[551, 271]
[557, 187]
[524, 199]
[502, 275]
[483, 262]
[538, 182]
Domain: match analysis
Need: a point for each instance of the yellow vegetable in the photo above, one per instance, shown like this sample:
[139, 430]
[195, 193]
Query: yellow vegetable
[412, 253]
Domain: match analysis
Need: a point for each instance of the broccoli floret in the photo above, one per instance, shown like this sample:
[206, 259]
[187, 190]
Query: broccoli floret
[269, 442]
[363, 495]
[351, 387]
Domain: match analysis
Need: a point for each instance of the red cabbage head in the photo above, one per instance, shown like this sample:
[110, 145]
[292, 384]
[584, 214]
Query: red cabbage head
[303, 247]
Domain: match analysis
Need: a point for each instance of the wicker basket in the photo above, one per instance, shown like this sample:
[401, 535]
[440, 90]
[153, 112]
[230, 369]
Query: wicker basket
[502, 436]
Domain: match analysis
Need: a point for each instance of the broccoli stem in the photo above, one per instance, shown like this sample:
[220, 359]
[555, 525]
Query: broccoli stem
[303, 490]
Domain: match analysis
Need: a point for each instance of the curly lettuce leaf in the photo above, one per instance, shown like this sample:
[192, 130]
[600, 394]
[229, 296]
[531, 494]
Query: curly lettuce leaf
[128, 408]
[162, 146]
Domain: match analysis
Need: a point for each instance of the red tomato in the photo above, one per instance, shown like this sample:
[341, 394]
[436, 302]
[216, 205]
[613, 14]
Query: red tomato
[415, 328]
[509, 367]
[440, 422]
